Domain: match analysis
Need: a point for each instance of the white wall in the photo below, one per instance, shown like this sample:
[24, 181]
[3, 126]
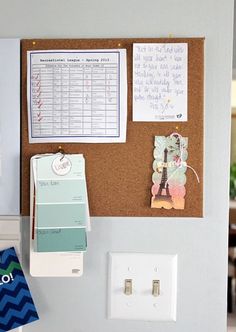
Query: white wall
[80, 305]
[234, 45]
[9, 118]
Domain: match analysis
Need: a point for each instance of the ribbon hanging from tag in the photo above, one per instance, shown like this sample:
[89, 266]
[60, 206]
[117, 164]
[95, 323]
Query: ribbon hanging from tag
[179, 160]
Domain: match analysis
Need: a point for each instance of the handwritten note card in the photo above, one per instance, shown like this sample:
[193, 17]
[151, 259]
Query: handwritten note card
[160, 82]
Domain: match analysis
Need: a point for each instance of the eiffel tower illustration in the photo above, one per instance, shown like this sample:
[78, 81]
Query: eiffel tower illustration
[163, 194]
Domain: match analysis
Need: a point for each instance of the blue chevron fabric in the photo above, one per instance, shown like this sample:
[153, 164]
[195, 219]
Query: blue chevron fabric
[16, 304]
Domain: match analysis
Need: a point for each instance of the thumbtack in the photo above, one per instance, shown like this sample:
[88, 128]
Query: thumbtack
[34, 42]
[176, 127]
[61, 151]
[119, 45]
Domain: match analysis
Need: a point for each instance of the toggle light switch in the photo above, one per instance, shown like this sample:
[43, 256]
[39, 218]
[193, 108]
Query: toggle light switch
[156, 287]
[128, 287]
[152, 281]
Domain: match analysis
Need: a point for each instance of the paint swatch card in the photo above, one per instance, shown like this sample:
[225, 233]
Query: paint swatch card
[170, 156]
[50, 264]
[160, 72]
[61, 214]
[61, 239]
[16, 304]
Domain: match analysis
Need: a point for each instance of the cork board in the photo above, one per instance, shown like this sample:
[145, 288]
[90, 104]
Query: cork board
[119, 176]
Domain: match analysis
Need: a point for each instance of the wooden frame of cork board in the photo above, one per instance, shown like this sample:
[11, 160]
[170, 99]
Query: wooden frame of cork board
[119, 175]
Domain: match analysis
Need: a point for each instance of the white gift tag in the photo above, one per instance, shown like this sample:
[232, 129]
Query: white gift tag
[61, 165]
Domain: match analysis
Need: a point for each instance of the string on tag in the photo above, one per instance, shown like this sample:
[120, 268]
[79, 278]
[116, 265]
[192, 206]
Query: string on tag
[179, 163]
[62, 152]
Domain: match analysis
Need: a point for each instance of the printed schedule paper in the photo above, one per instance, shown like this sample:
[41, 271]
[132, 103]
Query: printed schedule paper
[77, 96]
[160, 72]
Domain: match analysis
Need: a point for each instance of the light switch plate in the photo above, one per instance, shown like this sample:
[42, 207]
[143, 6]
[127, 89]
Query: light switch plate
[142, 269]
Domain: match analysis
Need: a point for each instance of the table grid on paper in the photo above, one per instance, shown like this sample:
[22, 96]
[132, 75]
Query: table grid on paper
[75, 100]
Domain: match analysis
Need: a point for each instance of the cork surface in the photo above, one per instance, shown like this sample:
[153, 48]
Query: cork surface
[119, 175]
